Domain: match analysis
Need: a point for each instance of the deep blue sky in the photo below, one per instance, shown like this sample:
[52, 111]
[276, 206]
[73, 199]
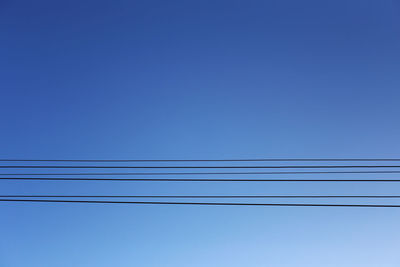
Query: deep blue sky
[198, 79]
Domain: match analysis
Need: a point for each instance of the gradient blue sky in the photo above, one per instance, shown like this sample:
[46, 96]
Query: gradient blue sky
[198, 79]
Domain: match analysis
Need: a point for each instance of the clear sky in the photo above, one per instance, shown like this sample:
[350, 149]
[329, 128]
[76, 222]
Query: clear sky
[198, 79]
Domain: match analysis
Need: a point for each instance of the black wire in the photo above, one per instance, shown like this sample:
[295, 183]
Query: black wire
[195, 180]
[199, 173]
[197, 167]
[202, 203]
[197, 160]
[197, 196]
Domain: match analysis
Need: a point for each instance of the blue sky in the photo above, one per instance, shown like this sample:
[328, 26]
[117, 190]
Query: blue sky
[198, 79]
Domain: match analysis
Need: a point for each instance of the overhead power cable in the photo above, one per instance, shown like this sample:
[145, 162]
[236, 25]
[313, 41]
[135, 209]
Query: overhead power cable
[195, 167]
[196, 173]
[194, 179]
[202, 203]
[200, 160]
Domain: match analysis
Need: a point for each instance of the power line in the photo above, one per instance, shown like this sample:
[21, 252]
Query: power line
[196, 167]
[200, 196]
[199, 160]
[202, 203]
[195, 179]
[199, 173]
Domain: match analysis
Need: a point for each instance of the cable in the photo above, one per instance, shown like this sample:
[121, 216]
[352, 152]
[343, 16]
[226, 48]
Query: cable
[196, 167]
[195, 180]
[202, 203]
[198, 160]
[198, 173]
[196, 196]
